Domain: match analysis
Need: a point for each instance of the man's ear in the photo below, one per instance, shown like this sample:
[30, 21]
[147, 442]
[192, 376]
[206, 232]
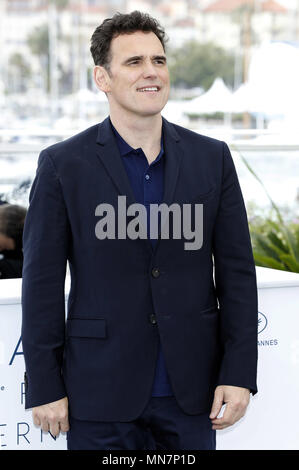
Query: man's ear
[100, 76]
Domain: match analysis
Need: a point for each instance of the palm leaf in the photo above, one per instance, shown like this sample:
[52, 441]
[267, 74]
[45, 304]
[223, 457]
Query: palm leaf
[289, 236]
[265, 247]
[277, 243]
[291, 263]
[267, 261]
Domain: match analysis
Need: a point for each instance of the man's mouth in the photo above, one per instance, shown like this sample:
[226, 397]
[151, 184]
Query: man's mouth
[149, 89]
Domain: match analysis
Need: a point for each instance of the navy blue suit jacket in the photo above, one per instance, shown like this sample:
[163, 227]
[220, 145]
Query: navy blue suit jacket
[202, 303]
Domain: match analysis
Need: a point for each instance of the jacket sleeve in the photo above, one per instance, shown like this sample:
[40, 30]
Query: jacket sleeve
[235, 280]
[45, 245]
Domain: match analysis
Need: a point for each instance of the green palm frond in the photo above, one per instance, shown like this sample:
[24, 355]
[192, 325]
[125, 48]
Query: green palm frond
[275, 244]
[267, 261]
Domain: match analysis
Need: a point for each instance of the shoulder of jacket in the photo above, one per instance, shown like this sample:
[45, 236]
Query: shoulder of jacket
[74, 142]
[189, 134]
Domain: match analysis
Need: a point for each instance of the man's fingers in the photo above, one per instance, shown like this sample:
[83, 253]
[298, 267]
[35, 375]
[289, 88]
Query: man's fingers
[36, 420]
[230, 416]
[64, 425]
[52, 423]
[227, 416]
[217, 403]
[63, 420]
[54, 428]
[236, 400]
[52, 417]
[45, 424]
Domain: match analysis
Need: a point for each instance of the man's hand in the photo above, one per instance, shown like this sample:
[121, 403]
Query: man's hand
[236, 399]
[52, 417]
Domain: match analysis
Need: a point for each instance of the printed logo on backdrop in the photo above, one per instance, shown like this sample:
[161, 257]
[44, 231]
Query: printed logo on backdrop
[262, 326]
[16, 351]
[262, 322]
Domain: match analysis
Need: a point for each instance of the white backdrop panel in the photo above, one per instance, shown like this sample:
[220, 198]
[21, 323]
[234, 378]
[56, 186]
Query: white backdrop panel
[271, 421]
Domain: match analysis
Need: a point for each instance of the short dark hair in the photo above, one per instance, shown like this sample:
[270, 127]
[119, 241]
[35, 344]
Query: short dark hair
[12, 218]
[121, 23]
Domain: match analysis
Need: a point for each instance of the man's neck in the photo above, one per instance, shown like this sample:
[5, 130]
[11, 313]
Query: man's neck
[141, 132]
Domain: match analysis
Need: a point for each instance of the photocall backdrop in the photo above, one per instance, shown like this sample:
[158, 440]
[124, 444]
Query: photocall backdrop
[271, 421]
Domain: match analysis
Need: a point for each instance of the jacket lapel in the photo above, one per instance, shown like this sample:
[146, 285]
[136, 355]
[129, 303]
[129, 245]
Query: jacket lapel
[108, 154]
[173, 153]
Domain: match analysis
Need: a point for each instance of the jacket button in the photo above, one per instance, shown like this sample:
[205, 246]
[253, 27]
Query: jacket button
[153, 319]
[155, 272]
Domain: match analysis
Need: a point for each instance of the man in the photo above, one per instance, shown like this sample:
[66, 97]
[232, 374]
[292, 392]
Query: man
[153, 345]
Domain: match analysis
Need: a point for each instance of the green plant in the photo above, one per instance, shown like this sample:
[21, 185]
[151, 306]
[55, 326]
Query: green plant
[275, 243]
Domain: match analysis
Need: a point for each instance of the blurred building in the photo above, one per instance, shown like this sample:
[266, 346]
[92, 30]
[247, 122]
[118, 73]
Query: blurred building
[71, 23]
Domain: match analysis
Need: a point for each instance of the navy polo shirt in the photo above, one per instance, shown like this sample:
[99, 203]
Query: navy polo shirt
[147, 182]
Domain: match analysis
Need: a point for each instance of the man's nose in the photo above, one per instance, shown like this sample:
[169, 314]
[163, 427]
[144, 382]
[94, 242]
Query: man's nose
[149, 69]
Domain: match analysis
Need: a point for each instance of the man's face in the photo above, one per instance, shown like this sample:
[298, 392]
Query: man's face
[137, 62]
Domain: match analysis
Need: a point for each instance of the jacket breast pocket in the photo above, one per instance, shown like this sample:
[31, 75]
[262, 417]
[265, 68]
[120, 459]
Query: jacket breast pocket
[86, 328]
[202, 197]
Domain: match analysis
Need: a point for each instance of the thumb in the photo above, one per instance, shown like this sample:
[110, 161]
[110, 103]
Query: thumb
[217, 403]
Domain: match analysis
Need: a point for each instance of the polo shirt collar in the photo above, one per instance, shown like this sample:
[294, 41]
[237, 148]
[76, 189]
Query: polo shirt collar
[124, 147]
